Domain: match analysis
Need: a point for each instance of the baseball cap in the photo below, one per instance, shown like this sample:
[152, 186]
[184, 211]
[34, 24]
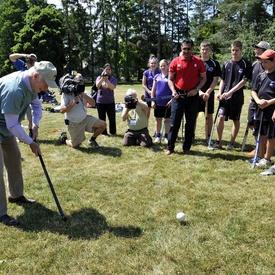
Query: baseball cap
[262, 45]
[267, 55]
[48, 71]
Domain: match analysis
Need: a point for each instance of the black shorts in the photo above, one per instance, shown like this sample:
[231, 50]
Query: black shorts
[251, 112]
[202, 104]
[162, 112]
[268, 129]
[230, 109]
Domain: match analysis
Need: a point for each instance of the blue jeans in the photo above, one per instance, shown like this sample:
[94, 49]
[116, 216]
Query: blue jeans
[187, 106]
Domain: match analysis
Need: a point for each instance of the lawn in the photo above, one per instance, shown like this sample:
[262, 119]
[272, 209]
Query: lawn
[121, 204]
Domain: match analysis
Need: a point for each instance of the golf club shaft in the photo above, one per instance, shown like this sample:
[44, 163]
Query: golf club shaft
[213, 126]
[258, 141]
[51, 186]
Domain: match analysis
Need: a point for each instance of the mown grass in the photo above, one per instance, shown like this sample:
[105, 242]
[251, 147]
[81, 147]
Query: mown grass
[121, 205]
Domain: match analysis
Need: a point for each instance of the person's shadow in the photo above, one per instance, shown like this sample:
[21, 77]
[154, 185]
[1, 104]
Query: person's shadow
[87, 223]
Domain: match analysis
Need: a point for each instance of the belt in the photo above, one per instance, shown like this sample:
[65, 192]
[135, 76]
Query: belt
[182, 92]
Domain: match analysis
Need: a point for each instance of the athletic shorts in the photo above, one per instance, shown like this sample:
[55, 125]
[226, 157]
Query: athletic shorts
[202, 104]
[77, 130]
[162, 112]
[251, 112]
[267, 130]
[230, 109]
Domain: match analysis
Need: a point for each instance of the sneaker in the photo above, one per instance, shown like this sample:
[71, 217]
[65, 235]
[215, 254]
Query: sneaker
[264, 163]
[166, 140]
[251, 160]
[269, 172]
[230, 147]
[63, 138]
[217, 145]
[157, 140]
[207, 142]
[93, 143]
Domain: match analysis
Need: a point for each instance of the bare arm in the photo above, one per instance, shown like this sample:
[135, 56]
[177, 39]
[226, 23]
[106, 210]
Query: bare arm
[144, 86]
[234, 89]
[67, 108]
[14, 56]
[88, 99]
[172, 86]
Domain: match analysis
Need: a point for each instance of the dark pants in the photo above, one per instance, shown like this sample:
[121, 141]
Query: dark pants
[110, 110]
[189, 107]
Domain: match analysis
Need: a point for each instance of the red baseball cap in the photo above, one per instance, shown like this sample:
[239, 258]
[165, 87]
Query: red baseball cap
[268, 54]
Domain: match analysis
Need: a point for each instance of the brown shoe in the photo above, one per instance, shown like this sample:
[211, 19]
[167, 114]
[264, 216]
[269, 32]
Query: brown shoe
[21, 199]
[187, 152]
[168, 152]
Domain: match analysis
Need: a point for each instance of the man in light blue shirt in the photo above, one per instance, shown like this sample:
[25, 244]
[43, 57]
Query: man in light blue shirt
[18, 90]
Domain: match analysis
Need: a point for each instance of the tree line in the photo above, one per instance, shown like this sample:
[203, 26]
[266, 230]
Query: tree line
[83, 35]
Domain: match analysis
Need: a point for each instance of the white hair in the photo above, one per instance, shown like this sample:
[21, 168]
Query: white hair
[131, 92]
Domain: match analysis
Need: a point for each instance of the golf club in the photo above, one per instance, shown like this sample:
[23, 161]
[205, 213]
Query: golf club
[64, 218]
[182, 126]
[258, 141]
[205, 116]
[212, 130]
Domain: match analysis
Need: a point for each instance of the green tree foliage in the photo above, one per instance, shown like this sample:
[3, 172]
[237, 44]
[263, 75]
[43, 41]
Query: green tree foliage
[42, 34]
[84, 35]
[12, 14]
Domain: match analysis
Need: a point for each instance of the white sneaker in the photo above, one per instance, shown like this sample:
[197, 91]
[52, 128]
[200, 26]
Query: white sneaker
[230, 147]
[251, 160]
[157, 140]
[269, 172]
[264, 163]
[217, 145]
[166, 140]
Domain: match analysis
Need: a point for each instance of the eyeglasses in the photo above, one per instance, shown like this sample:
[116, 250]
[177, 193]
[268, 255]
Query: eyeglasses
[186, 49]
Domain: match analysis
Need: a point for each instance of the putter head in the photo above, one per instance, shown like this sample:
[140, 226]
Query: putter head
[64, 218]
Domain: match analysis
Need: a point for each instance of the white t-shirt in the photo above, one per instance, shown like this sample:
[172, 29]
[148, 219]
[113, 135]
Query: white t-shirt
[79, 112]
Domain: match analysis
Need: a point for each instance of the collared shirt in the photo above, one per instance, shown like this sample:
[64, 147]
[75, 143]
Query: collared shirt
[186, 72]
[15, 97]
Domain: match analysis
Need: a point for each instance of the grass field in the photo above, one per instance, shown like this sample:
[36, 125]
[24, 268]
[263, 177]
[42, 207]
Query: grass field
[121, 205]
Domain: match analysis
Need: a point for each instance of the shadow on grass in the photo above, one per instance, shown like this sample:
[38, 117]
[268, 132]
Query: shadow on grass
[86, 223]
[107, 151]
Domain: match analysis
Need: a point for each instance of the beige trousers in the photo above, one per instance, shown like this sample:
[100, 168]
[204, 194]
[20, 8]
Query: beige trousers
[10, 157]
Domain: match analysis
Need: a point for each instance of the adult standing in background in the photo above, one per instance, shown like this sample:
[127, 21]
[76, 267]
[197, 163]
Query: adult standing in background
[207, 94]
[187, 75]
[148, 78]
[20, 65]
[106, 84]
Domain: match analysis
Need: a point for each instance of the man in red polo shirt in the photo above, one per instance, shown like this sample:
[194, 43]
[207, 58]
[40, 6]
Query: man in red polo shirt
[187, 75]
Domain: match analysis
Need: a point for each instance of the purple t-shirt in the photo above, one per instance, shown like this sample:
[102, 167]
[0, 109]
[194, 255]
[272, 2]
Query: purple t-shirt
[162, 89]
[106, 95]
[149, 79]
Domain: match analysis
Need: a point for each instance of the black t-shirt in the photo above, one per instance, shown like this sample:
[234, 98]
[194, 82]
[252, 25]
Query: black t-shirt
[233, 72]
[264, 86]
[213, 69]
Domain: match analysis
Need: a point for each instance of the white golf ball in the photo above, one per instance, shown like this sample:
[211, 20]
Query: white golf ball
[180, 216]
